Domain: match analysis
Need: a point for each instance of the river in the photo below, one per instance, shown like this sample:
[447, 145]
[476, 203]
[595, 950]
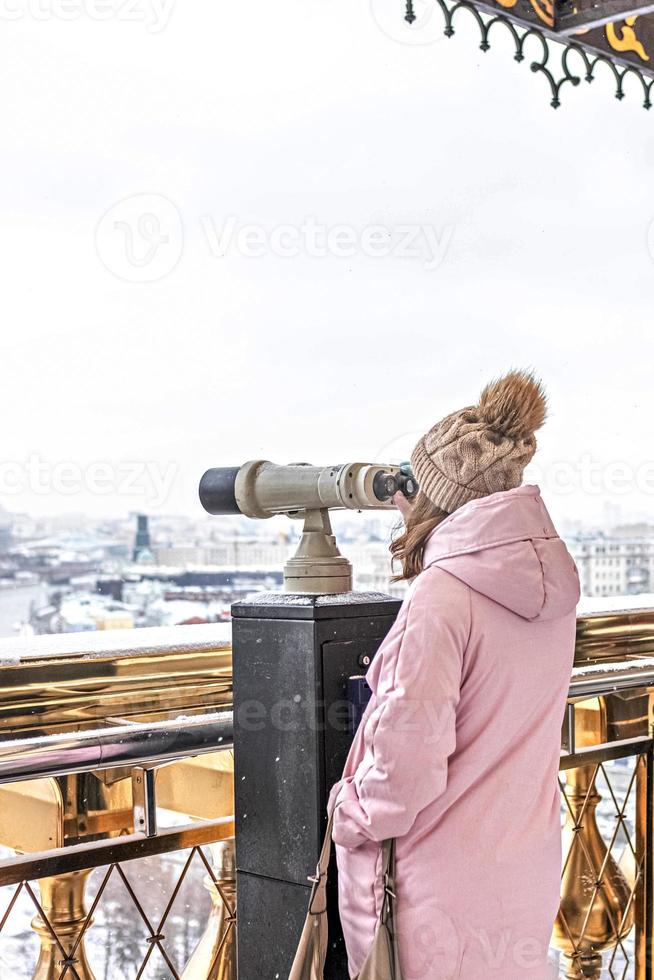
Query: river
[15, 606]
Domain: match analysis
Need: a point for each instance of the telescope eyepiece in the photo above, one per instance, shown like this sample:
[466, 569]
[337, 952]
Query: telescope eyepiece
[386, 485]
[406, 483]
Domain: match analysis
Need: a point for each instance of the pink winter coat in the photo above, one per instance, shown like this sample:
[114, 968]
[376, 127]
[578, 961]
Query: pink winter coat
[457, 755]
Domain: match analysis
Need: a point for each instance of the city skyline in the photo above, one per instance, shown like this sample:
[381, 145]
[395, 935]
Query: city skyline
[610, 515]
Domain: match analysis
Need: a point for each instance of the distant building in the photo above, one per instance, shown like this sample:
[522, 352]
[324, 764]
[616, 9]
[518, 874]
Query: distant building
[235, 552]
[110, 586]
[614, 564]
[142, 545]
[371, 562]
[5, 531]
[81, 612]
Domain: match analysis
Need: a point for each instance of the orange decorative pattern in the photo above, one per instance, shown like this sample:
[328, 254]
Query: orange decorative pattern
[622, 37]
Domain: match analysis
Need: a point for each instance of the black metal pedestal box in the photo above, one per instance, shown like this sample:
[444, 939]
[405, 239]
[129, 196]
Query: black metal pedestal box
[292, 655]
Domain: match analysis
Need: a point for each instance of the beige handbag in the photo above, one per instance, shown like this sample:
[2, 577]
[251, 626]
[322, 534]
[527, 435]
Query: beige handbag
[382, 962]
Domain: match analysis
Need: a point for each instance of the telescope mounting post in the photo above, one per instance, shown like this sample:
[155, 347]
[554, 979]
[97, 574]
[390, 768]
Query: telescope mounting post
[317, 567]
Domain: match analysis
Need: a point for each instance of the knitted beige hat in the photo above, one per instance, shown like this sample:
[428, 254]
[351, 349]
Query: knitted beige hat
[483, 448]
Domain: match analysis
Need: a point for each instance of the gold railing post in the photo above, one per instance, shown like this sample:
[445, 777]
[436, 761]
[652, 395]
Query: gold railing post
[62, 901]
[643, 838]
[595, 910]
[214, 957]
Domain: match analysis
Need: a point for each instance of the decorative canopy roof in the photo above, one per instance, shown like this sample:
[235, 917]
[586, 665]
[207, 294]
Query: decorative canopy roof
[618, 34]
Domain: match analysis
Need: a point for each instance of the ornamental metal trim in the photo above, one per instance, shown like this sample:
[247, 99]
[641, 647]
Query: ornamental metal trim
[556, 77]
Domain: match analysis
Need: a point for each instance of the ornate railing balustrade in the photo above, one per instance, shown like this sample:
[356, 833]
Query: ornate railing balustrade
[115, 755]
[604, 927]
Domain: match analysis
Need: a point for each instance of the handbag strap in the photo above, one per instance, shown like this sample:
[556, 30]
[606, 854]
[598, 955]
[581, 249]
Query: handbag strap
[388, 882]
[319, 890]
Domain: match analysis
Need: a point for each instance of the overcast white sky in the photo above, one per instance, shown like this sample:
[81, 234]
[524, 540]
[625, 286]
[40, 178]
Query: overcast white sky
[137, 142]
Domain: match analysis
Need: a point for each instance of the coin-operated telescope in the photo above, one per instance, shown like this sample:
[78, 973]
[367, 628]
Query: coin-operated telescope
[259, 489]
[298, 660]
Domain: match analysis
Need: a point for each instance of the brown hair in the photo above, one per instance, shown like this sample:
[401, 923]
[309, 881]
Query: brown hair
[409, 547]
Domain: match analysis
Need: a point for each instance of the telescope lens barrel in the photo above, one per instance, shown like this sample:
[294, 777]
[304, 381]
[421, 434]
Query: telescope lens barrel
[259, 488]
[217, 490]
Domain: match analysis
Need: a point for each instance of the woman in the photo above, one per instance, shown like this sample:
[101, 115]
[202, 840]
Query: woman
[457, 755]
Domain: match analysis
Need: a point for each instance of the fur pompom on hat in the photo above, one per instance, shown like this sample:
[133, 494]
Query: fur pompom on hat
[484, 448]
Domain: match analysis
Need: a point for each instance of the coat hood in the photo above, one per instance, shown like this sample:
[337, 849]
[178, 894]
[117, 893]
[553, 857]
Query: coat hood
[506, 547]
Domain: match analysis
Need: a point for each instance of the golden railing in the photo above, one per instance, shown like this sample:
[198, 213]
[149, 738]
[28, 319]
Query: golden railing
[100, 735]
[117, 747]
[604, 927]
